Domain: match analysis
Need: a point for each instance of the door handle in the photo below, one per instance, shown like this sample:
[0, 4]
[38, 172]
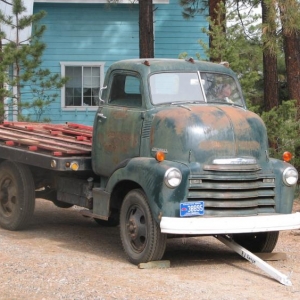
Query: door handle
[100, 115]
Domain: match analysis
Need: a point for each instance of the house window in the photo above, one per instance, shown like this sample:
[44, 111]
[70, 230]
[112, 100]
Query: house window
[83, 86]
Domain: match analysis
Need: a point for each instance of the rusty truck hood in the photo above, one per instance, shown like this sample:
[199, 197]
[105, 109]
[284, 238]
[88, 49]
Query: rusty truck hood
[198, 133]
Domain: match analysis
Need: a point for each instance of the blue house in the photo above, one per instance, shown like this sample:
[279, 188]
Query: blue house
[85, 37]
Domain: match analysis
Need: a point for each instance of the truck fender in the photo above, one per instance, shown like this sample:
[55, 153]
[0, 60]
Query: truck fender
[284, 205]
[148, 174]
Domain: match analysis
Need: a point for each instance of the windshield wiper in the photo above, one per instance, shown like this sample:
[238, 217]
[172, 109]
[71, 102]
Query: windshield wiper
[186, 102]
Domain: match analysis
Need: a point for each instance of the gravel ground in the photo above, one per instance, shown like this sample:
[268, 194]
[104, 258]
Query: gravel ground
[63, 255]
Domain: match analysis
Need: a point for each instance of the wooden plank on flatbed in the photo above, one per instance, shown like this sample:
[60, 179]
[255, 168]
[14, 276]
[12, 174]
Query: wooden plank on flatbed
[38, 136]
[57, 130]
[45, 140]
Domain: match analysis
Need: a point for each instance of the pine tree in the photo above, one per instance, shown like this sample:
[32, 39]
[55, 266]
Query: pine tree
[290, 21]
[270, 49]
[20, 61]
[217, 19]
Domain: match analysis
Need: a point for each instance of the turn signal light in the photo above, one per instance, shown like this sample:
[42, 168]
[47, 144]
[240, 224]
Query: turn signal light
[74, 166]
[287, 156]
[160, 156]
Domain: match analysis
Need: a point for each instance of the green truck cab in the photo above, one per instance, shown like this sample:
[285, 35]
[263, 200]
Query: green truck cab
[177, 152]
[173, 151]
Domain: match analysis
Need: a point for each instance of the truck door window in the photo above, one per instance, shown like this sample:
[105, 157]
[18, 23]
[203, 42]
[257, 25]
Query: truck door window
[221, 88]
[126, 91]
[175, 87]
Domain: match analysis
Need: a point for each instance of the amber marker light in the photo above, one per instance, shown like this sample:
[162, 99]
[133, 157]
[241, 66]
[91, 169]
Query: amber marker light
[287, 156]
[74, 166]
[160, 156]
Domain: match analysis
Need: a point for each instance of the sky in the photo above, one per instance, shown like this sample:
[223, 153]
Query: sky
[6, 9]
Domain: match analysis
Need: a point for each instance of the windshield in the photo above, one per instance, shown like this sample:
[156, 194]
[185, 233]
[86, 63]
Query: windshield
[194, 87]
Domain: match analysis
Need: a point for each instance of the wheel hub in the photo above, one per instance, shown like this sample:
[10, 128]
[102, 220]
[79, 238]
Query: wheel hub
[7, 197]
[132, 228]
[136, 228]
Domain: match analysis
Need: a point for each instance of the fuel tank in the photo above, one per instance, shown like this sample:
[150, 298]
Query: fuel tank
[197, 133]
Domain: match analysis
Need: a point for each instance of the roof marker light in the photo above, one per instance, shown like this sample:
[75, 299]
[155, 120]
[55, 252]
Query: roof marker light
[146, 63]
[191, 60]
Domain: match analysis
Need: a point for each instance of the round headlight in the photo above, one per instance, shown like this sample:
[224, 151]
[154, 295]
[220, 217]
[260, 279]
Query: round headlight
[290, 176]
[173, 177]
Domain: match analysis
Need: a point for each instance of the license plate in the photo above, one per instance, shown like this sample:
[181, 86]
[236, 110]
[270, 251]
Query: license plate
[188, 209]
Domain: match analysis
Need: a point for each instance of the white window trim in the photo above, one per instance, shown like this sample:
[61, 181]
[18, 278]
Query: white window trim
[100, 1]
[63, 65]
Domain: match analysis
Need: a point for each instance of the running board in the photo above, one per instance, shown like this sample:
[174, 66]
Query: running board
[283, 279]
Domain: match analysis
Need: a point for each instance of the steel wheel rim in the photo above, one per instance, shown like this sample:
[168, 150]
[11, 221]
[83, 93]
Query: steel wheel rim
[136, 228]
[8, 196]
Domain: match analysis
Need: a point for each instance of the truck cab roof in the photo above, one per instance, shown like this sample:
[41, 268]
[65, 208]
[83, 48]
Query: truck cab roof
[152, 65]
[163, 81]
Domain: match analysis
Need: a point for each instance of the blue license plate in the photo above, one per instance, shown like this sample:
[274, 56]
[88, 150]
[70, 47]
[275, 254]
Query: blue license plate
[188, 209]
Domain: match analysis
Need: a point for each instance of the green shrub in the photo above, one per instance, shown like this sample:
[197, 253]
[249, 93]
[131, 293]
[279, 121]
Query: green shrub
[283, 131]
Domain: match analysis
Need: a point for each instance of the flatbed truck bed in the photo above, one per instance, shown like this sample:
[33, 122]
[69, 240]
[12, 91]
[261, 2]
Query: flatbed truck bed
[39, 144]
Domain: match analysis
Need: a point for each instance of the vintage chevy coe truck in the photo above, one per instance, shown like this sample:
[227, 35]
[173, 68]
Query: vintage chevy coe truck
[174, 151]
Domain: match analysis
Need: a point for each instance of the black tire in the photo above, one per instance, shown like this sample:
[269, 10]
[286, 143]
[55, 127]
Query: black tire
[17, 195]
[141, 237]
[261, 242]
[113, 220]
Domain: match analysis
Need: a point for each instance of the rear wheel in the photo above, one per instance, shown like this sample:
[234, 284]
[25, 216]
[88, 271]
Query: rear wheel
[141, 237]
[17, 195]
[257, 242]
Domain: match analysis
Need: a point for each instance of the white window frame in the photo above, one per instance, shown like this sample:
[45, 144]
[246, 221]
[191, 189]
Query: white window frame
[63, 66]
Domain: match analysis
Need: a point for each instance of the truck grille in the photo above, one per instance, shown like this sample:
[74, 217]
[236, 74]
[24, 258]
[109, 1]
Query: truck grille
[232, 197]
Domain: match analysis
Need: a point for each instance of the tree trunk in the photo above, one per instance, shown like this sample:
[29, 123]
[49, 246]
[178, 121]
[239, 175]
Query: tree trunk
[214, 16]
[271, 93]
[291, 44]
[292, 61]
[146, 38]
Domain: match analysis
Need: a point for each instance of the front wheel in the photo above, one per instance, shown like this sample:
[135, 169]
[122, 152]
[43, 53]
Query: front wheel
[260, 242]
[141, 237]
[17, 195]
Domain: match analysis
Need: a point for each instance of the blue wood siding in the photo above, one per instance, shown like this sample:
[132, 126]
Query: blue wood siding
[98, 32]
[174, 34]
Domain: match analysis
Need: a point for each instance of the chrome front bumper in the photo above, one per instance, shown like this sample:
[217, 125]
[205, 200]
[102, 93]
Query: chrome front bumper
[229, 225]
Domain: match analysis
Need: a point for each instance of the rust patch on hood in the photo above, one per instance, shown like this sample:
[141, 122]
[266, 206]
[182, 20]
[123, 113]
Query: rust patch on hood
[182, 117]
[202, 132]
[219, 145]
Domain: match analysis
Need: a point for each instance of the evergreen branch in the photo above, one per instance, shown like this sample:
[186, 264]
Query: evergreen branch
[6, 2]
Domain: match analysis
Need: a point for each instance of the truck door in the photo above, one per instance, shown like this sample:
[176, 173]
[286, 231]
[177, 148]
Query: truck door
[118, 123]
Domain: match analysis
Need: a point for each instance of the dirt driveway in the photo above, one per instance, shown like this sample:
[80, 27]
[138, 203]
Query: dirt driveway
[66, 256]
